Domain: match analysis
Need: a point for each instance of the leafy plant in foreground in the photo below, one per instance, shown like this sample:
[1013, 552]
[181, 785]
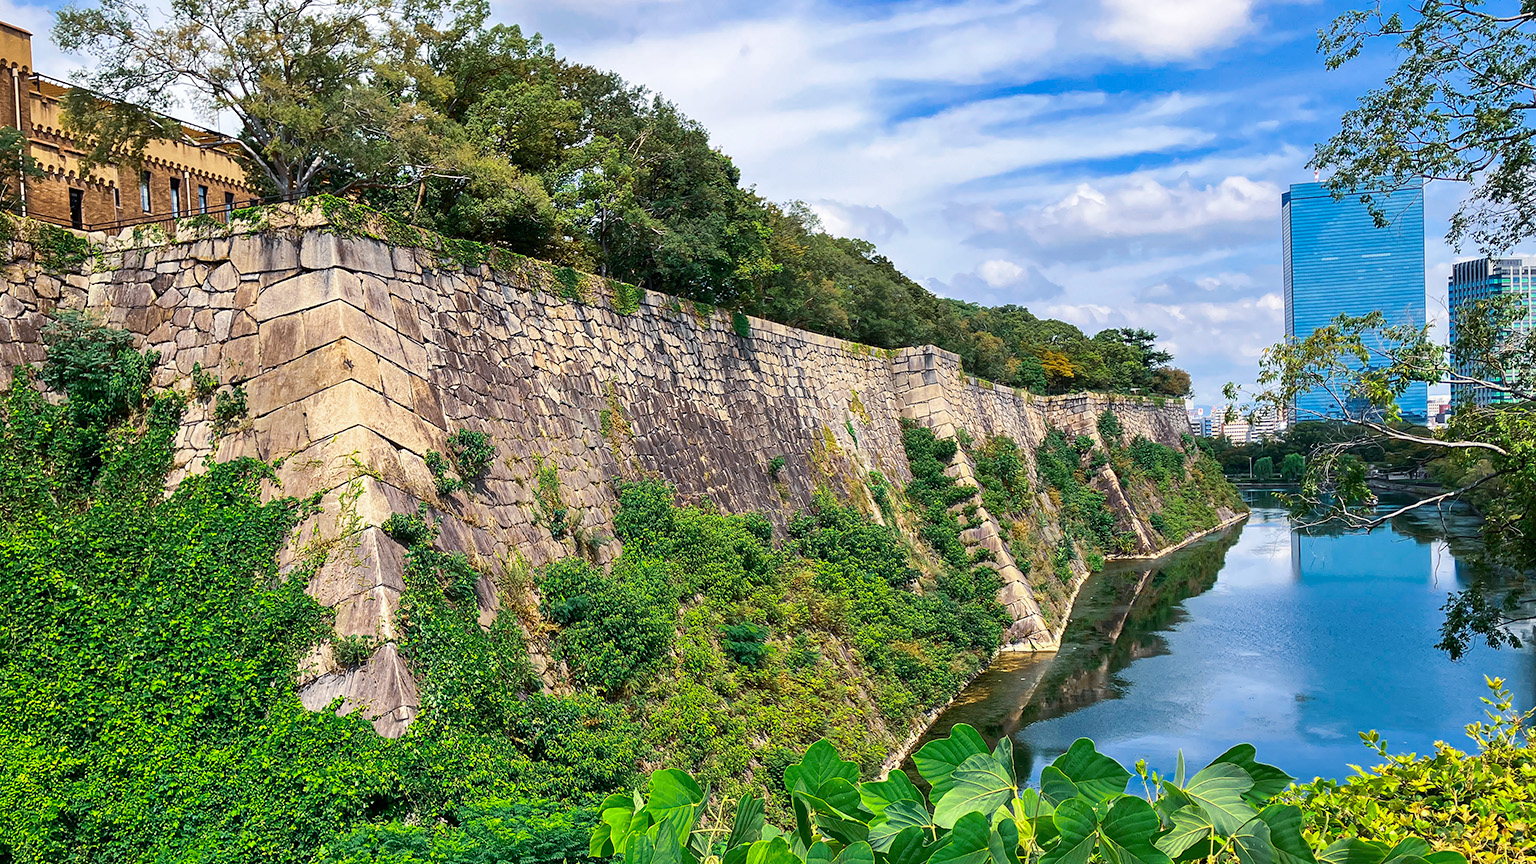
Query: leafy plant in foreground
[976, 813]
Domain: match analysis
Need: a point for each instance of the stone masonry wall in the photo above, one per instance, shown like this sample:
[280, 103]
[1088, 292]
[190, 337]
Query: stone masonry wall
[359, 358]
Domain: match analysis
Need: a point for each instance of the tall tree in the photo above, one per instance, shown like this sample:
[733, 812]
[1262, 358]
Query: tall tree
[325, 95]
[1457, 107]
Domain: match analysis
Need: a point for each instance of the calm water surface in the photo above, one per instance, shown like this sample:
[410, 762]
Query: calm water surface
[1293, 642]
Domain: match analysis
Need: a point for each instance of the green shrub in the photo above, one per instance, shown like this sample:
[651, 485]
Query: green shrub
[1109, 427]
[1264, 468]
[979, 810]
[775, 465]
[229, 407]
[352, 651]
[1292, 467]
[614, 629]
[745, 643]
[204, 383]
[1159, 461]
[1481, 804]
[410, 529]
[741, 324]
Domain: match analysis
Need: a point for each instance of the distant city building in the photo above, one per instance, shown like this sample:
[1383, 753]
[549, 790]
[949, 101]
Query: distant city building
[1337, 261]
[1200, 418]
[1439, 412]
[1481, 279]
[1266, 426]
[1238, 432]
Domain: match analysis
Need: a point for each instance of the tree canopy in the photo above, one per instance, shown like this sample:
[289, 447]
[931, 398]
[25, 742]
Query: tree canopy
[480, 131]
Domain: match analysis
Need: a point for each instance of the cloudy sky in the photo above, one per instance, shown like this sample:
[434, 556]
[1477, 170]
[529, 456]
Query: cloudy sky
[1108, 162]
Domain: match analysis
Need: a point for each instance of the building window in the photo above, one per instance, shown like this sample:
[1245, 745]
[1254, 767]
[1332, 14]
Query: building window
[202, 199]
[77, 208]
[176, 197]
[144, 178]
[117, 197]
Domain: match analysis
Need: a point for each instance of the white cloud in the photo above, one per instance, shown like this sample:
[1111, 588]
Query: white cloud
[998, 273]
[875, 224]
[1175, 28]
[1144, 206]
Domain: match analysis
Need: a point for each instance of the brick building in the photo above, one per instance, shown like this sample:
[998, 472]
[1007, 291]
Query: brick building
[196, 173]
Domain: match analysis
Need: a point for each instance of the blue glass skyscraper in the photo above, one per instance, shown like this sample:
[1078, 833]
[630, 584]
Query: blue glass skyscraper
[1484, 279]
[1337, 261]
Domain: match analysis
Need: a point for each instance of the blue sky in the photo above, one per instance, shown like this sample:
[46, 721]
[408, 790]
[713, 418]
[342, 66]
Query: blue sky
[1107, 162]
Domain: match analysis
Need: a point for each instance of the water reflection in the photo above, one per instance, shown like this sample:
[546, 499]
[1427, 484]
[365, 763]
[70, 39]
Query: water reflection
[1292, 640]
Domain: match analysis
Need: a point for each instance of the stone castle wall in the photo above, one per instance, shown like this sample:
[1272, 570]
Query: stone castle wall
[359, 358]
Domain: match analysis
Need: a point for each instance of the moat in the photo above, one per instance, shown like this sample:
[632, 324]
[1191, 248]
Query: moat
[1292, 641]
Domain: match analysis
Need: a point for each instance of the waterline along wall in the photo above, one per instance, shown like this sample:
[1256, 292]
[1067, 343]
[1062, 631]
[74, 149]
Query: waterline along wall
[359, 357]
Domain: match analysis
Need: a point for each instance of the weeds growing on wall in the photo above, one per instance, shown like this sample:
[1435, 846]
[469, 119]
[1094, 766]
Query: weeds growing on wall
[147, 688]
[736, 652]
[468, 461]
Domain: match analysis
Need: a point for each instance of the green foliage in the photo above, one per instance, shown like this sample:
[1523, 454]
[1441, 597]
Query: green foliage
[352, 651]
[976, 812]
[524, 831]
[775, 465]
[152, 648]
[204, 383]
[58, 250]
[1292, 467]
[1264, 469]
[410, 529]
[229, 408]
[626, 297]
[1481, 804]
[744, 643]
[1084, 514]
[741, 324]
[469, 455]
[1003, 476]
[573, 285]
[549, 498]
[1109, 427]
[615, 628]
[1158, 461]
[933, 492]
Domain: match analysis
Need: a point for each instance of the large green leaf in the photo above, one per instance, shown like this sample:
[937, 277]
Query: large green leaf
[897, 787]
[1003, 844]
[898, 818]
[820, 763]
[1218, 790]
[1127, 832]
[1096, 776]
[612, 833]
[1190, 827]
[673, 804]
[938, 759]
[1077, 825]
[844, 796]
[1003, 753]
[843, 827]
[639, 850]
[1054, 785]
[1253, 845]
[774, 851]
[804, 836]
[1284, 821]
[911, 846]
[1353, 850]
[858, 853]
[979, 784]
[968, 842]
[819, 853]
[747, 827]
[1268, 781]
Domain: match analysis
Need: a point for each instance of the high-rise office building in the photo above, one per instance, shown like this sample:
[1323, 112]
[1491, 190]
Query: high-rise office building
[1481, 279]
[1337, 261]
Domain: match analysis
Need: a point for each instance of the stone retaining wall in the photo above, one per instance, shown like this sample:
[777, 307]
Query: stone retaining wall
[359, 358]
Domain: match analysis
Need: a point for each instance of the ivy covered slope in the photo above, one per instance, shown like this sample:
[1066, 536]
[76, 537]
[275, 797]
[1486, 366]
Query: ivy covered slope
[732, 652]
[147, 700]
